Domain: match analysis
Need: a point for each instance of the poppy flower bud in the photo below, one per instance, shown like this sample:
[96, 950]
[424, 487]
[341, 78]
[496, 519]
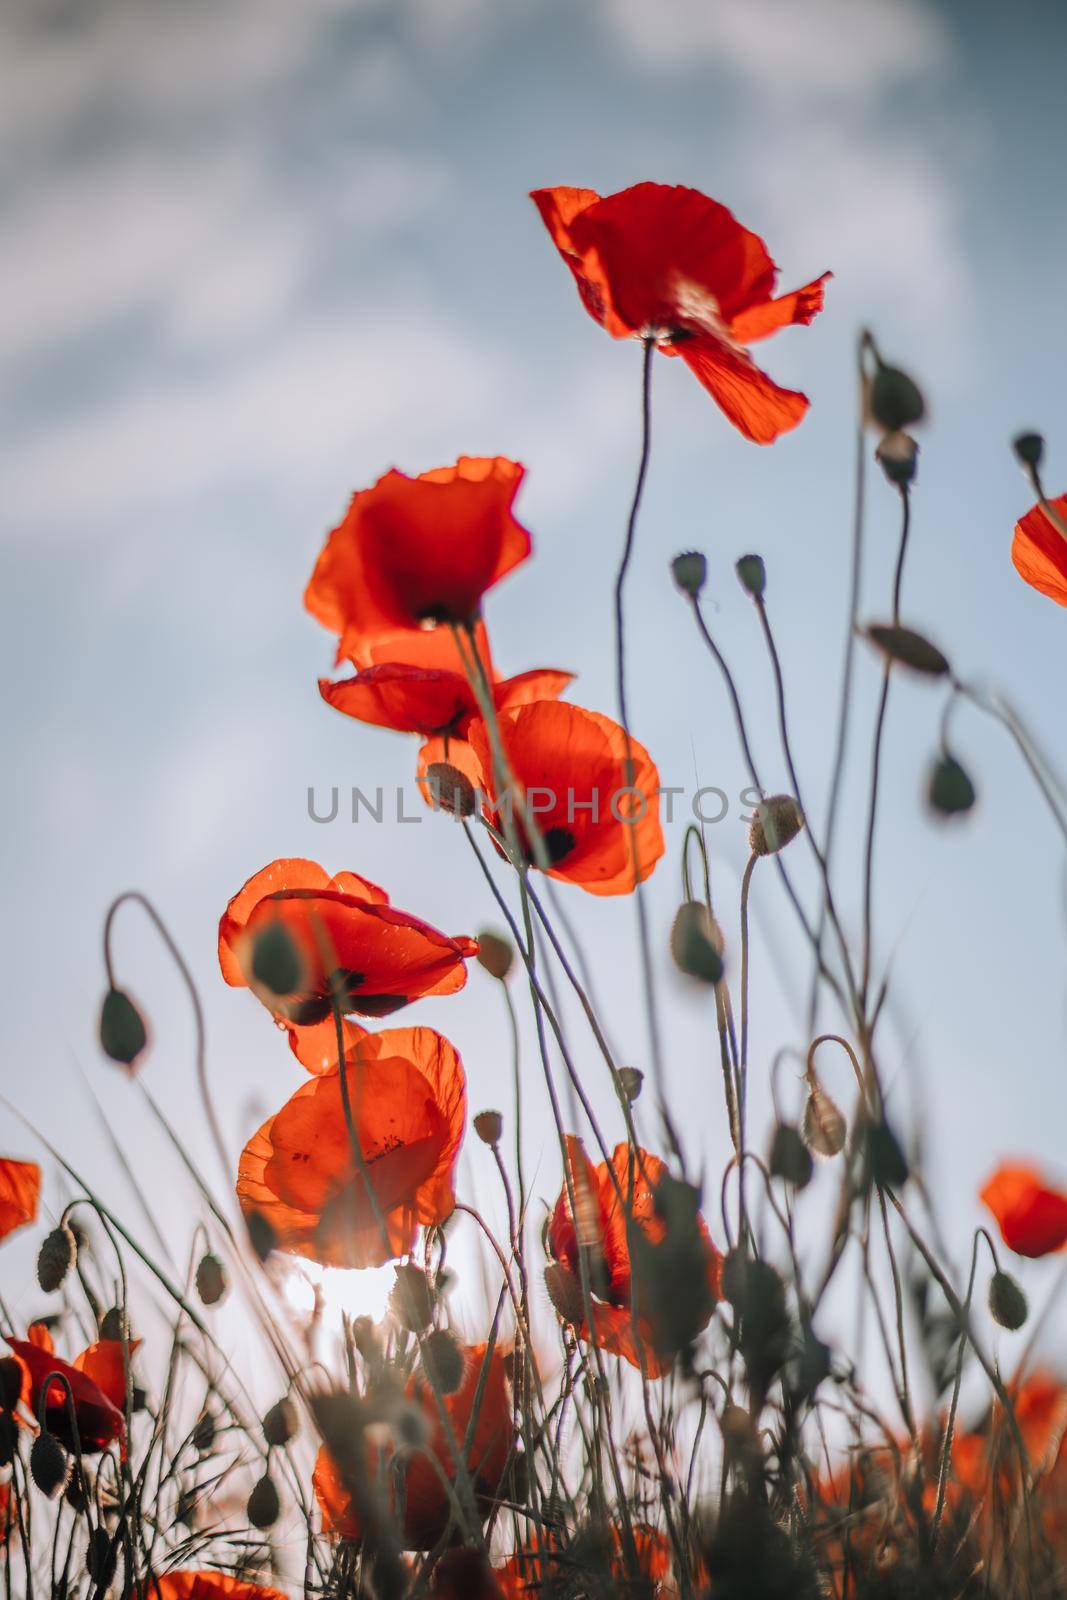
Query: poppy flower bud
[122, 1031]
[77, 1492]
[412, 1298]
[911, 649]
[264, 1504]
[950, 790]
[696, 943]
[203, 1434]
[565, 1292]
[9, 1438]
[886, 1162]
[489, 1125]
[1029, 449]
[10, 1382]
[409, 1424]
[261, 1235]
[49, 1464]
[894, 400]
[114, 1324]
[898, 457]
[450, 789]
[276, 962]
[55, 1258]
[690, 572]
[442, 1360]
[1007, 1302]
[211, 1280]
[824, 1126]
[776, 823]
[629, 1083]
[753, 575]
[365, 1338]
[495, 954]
[281, 1423]
[790, 1158]
[101, 1558]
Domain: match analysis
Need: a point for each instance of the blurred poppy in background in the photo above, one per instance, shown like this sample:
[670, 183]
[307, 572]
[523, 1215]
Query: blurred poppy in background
[1039, 551]
[663, 262]
[97, 1384]
[1032, 1217]
[20, 1191]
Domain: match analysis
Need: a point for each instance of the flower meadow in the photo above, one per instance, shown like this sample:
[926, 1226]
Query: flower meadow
[656, 1402]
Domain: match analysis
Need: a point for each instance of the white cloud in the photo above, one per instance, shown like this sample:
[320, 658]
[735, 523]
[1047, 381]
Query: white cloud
[846, 48]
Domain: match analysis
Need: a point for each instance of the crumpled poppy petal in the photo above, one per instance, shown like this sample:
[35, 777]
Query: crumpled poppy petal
[104, 1363]
[1039, 551]
[541, 683]
[99, 1421]
[20, 1192]
[1032, 1217]
[756, 405]
[406, 699]
[761, 320]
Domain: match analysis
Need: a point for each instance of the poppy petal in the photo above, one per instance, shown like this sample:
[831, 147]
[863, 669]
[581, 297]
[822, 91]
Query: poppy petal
[1039, 551]
[20, 1192]
[1031, 1216]
[756, 405]
[759, 321]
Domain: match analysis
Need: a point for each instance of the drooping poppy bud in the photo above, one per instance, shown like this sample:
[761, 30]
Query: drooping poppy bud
[495, 954]
[696, 942]
[790, 1158]
[950, 790]
[489, 1125]
[123, 1034]
[824, 1126]
[564, 1289]
[264, 1503]
[55, 1258]
[894, 400]
[690, 572]
[1007, 1302]
[886, 1162]
[909, 648]
[49, 1464]
[442, 1360]
[211, 1279]
[281, 1423]
[412, 1298]
[204, 1432]
[1029, 449]
[102, 1558]
[753, 576]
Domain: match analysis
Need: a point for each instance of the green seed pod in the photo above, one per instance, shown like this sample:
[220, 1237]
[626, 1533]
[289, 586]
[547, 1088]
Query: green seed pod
[752, 575]
[790, 1158]
[264, 1504]
[281, 1423]
[629, 1083]
[49, 1464]
[1007, 1302]
[950, 791]
[276, 962]
[57, 1255]
[489, 1125]
[122, 1031]
[114, 1324]
[443, 1358]
[894, 400]
[211, 1280]
[1029, 449]
[495, 954]
[690, 572]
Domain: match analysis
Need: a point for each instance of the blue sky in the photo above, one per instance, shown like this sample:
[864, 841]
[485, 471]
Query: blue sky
[253, 254]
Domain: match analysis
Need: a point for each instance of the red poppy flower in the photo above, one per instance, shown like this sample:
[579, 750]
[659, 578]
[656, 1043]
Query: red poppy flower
[528, 1572]
[408, 1098]
[348, 940]
[100, 1420]
[570, 765]
[1032, 1218]
[20, 1190]
[426, 1502]
[416, 683]
[413, 552]
[1039, 551]
[208, 1586]
[667, 263]
[610, 1200]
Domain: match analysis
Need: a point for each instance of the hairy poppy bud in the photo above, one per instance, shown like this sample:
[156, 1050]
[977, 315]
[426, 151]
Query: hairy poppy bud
[114, 1324]
[55, 1258]
[790, 1157]
[824, 1126]
[886, 1162]
[950, 790]
[696, 943]
[690, 572]
[565, 1292]
[122, 1031]
[894, 400]
[10, 1382]
[412, 1298]
[898, 457]
[489, 1125]
[629, 1083]
[264, 1504]
[776, 823]
[450, 789]
[909, 648]
[281, 1423]
[211, 1280]
[276, 961]
[1029, 449]
[753, 575]
[49, 1464]
[1007, 1302]
[101, 1558]
[495, 954]
[442, 1360]
[203, 1435]
[77, 1493]
[261, 1235]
